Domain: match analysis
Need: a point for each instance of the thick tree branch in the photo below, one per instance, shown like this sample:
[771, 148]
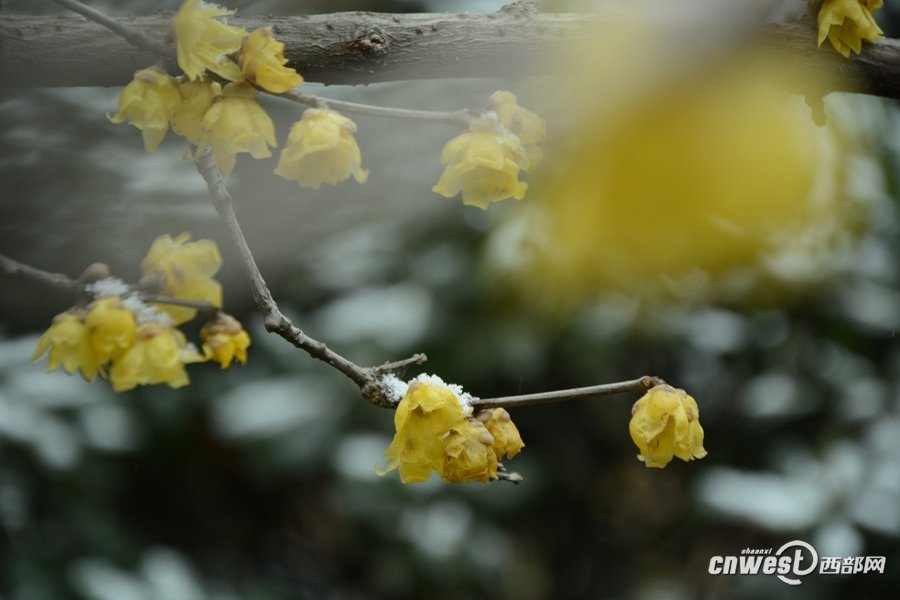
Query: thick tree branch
[354, 48]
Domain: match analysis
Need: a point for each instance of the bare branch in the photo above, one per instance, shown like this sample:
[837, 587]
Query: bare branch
[635, 385]
[132, 35]
[460, 117]
[57, 280]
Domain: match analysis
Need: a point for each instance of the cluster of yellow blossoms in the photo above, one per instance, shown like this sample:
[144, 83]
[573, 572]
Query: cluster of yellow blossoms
[436, 432]
[846, 23]
[227, 119]
[665, 423]
[132, 342]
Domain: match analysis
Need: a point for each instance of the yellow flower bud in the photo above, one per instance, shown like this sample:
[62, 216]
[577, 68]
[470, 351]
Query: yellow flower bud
[203, 42]
[224, 340]
[262, 61]
[846, 23]
[422, 419]
[148, 103]
[158, 355]
[185, 270]
[69, 345]
[196, 98]
[530, 128]
[111, 328]
[321, 149]
[483, 163]
[507, 441]
[468, 453]
[236, 123]
[665, 423]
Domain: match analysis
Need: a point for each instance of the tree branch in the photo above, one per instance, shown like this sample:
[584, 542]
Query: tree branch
[57, 280]
[356, 47]
[133, 36]
[641, 384]
[460, 117]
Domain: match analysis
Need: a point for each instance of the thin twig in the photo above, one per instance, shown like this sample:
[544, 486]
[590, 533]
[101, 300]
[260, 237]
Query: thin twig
[460, 117]
[641, 384]
[205, 307]
[368, 379]
[57, 280]
[134, 36]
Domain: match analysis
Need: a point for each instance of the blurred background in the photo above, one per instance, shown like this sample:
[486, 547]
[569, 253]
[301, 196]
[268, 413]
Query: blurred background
[710, 234]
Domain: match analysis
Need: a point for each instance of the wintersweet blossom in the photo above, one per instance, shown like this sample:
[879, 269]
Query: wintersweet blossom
[263, 63]
[530, 128]
[196, 98]
[224, 340]
[468, 453]
[665, 423]
[68, 343]
[158, 355]
[235, 123]
[846, 23]
[507, 441]
[148, 103]
[184, 270]
[483, 163]
[111, 328]
[321, 149]
[203, 42]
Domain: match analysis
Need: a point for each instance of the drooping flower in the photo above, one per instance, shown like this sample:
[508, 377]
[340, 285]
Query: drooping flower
[665, 423]
[483, 163]
[530, 128]
[184, 270]
[468, 453]
[68, 342]
[196, 98]
[507, 441]
[148, 103]
[111, 328]
[158, 355]
[225, 340]
[203, 42]
[263, 63]
[422, 420]
[846, 23]
[236, 123]
[321, 149]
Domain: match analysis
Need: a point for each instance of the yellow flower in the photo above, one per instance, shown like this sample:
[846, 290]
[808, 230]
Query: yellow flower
[507, 441]
[185, 270]
[665, 422]
[158, 356]
[69, 344]
[423, 418]
[204, 42]
[468, 453]
[148, 103]
[111, 328]
[225, 340]
[236, 123]
[262, 61]
[321, 149]
[846, 23]
[530, 128]
[483, 163]
[196, 97]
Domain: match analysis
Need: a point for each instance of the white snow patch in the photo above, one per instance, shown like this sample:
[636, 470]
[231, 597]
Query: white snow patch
[397, 388]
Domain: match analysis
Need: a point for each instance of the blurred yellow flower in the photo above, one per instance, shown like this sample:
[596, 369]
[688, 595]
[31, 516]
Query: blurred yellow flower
[507, 441]
[262, 62]
[483, 163]
[530, 128]
[69, 345]
[236, 123]
[111, 328]
[665, 423]
[196, 98]
[846, 23]
[204, 43]
[225, 340]
[422, 420]
[468, 453]
[185, 270]
[321, 149]
[158, 355]
[148, 103]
